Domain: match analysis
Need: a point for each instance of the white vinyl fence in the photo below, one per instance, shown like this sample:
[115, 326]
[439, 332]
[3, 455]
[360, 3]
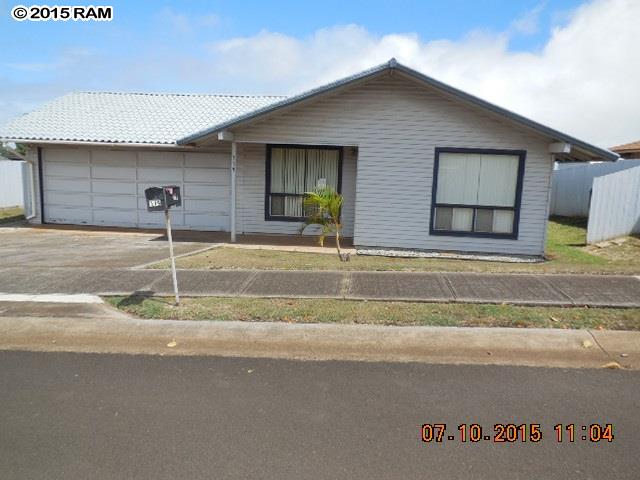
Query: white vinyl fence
[11, 184]
[615, 206]
[571, 187]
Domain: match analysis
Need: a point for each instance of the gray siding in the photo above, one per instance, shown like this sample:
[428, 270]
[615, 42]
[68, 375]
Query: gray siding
[250, 178]
[396, 125]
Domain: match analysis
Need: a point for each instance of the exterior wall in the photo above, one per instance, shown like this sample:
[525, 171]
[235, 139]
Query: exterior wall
[133, 170]
[250, 178]
[396, 125]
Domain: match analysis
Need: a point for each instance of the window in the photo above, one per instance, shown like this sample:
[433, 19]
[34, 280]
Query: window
[294, 170]
[477, 192]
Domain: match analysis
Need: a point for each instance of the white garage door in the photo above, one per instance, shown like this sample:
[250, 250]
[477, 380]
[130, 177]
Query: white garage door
[106, 187]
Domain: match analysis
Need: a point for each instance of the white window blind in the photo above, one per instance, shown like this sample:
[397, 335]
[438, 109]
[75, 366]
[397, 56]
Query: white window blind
[476, 193]
[477, 179]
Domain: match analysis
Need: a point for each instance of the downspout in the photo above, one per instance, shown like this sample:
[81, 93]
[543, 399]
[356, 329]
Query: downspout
[548, 209]
[232, 206]
[40, 184]
[33, 191]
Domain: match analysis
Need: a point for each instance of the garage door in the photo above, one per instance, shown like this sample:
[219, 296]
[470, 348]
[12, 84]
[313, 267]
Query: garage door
[106, 187]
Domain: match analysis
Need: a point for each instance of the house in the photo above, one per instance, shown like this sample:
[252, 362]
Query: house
[628, 150]
[421, 165]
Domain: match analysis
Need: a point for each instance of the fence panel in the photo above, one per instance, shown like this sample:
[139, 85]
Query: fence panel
[11, 194]
[571, 187]
[615, 206]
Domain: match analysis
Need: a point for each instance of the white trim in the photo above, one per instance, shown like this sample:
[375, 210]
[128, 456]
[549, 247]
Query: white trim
[80, 143]
[50, 298]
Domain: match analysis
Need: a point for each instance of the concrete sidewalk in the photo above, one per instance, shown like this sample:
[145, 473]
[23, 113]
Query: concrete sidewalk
[97, 328]
[519, 289]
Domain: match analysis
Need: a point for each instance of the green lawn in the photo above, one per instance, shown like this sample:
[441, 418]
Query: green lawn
[378, 313]
[566, 253]
[11, 214]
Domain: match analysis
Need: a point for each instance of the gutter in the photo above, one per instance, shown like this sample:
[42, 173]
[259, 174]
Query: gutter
[35, 141]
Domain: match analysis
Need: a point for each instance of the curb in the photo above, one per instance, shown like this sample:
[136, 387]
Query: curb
[451, 345]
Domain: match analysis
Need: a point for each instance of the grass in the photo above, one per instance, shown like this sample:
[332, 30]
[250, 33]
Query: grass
[11, 214]
[566, 253]
[377, 313]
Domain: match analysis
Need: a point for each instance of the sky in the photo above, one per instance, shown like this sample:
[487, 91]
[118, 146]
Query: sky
[573, 65]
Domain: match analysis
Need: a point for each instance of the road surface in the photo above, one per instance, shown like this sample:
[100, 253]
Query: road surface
[78, 416]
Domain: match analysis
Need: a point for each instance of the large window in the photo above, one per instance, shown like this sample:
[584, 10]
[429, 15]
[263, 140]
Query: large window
[294, 170]
[477, 192]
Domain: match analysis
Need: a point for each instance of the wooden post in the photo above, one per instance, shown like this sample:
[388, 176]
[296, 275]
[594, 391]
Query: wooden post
[167, 218]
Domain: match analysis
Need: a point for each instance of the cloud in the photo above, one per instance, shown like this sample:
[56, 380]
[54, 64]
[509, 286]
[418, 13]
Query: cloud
[582, 81]
[186, 24]
[528, 23]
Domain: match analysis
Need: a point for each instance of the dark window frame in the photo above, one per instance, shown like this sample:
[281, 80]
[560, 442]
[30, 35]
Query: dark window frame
[522, 154]
[267, 196]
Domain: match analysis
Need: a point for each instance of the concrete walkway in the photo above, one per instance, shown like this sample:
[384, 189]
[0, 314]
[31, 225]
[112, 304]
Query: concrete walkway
[557, 290]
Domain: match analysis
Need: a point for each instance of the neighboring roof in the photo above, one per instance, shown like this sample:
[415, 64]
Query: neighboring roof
[9, 154]
[129, 117]
[394, 65]
[627, 147]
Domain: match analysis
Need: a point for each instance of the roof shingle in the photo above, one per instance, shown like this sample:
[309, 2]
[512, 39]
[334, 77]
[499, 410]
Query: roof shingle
[151, 118]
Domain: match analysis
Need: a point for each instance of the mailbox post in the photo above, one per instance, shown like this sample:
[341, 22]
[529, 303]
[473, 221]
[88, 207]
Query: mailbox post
[162, 199]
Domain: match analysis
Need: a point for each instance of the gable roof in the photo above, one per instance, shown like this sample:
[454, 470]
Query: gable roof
[627, 147]
[394, 65]
[148, 118]
[172, 119]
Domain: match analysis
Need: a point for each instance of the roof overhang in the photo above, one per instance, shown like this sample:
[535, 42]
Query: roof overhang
[580, 146]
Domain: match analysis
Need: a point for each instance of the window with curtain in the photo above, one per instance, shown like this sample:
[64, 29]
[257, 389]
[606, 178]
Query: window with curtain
[477, 192]
[292, 171]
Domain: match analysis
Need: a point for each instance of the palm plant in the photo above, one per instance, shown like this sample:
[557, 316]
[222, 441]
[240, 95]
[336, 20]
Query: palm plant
[324, 205]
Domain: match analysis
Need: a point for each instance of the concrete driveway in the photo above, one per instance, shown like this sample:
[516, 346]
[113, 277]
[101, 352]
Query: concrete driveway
[27, 247]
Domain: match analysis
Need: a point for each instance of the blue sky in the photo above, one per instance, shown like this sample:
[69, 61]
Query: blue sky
[284, 46]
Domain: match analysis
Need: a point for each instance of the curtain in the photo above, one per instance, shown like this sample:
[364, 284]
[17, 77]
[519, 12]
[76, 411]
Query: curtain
[462, 219]
[297, 170]
[502, 221]
[322, 164]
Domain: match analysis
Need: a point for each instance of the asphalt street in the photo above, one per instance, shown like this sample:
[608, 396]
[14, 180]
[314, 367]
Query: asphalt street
[78, 416]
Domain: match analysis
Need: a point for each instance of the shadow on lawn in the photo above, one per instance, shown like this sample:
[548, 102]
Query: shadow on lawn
[137, 298]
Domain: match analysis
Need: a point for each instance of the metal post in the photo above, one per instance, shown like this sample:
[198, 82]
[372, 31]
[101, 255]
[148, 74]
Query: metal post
[232, 206]
[167, 219]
